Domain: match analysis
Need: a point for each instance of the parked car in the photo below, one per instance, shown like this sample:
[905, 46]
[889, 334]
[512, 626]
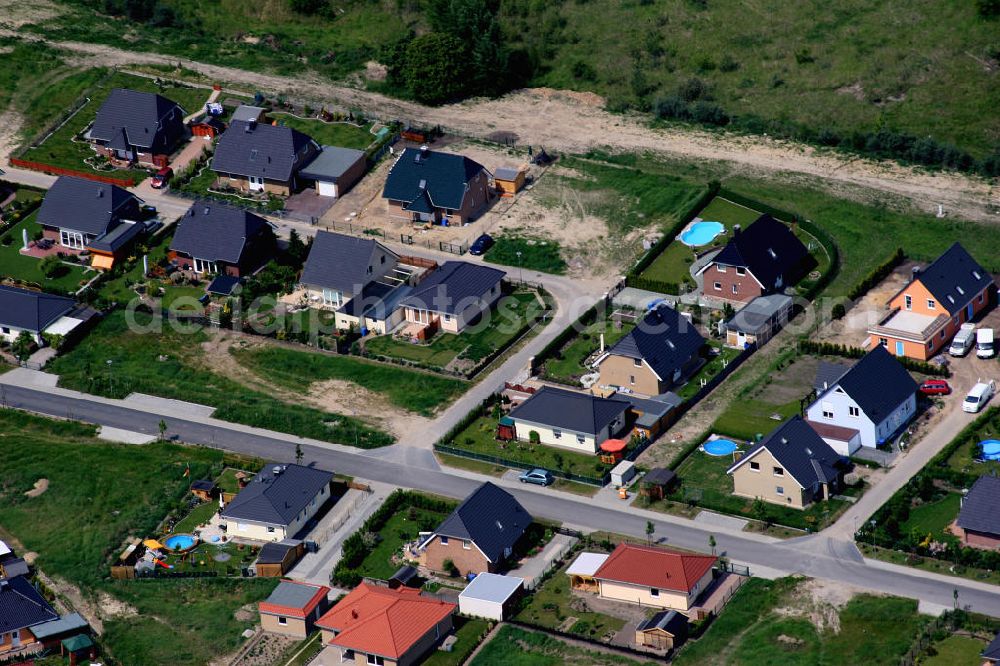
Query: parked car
[935, 387]
[481, 244]
[979, 396]
[541, 477]
[962, 343]
[984, 343]
[161, 178]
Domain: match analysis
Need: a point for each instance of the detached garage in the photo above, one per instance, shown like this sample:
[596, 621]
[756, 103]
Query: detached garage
[490, 596]
[335, 170]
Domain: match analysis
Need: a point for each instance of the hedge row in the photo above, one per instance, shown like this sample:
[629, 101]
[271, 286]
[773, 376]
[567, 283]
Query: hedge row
[878, 274]
[670, 234]
[659, 286]
[833, 349]
[588, 317]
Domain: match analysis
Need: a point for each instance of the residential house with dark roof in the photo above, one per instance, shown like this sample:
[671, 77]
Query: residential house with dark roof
[661, 351]
[867, 405]
[386, 627]
[479, 535]
[425, 185]
[569, 419]
[138, 128]
[293, 608]
[654, 577]
[454, 296]
[79, 214]
[21, 608]
[978, 522]
[278, 502]
[792, 466]
[343, 269]
[255, 157]
[926, 314]
[764, 258]
[216, 239]
[335, 170]
[35, 312]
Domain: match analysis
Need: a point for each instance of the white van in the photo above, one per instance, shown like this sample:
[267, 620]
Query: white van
[978, 396]
[984, 343]
[963, 340]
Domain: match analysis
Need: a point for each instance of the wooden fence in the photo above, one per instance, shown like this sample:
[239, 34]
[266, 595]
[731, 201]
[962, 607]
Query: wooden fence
[127, 181]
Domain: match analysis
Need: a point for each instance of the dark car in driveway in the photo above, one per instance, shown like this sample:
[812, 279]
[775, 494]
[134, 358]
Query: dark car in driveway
[538, 476]
[481, 244]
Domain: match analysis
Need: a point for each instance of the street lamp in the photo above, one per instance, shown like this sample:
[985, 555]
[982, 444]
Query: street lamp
[520, 271]
[111, 382]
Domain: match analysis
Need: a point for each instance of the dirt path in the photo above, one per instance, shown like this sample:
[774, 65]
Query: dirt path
[576, 122]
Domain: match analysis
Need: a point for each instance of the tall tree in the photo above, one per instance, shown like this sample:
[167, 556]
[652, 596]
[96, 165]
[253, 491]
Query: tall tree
[436, 68]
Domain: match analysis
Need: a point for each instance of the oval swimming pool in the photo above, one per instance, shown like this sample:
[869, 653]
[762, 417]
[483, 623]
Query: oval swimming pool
[991, 449]
[180, 542]
[719, 447]
[701, 233]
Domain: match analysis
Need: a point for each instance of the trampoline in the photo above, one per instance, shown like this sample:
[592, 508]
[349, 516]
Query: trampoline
[990, 449]
[719, 447]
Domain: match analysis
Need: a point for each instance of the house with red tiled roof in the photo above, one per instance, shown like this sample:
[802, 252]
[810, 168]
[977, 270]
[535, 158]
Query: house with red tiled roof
[293, 608]
[656, 577]
[386, 627]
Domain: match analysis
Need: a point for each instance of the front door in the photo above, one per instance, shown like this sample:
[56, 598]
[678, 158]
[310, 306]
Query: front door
[256, 183]
[900, 348]
[968, 312]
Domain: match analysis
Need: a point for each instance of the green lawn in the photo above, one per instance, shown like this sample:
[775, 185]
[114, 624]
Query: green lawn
[15, 265]
[343, 134]
[411, 390]
[955, 651]
[198, 516]
[513, 646]
[99, 494]
[479, 437]
[713, 366]
[526, 252]
[120, 288]
[933, 517]
[474, 344]
[566, 366]
[168, 363]
[227, 481]
[877, 630]
[553, 602]
[202, 559]
[403, 526]
[469, 632]
[747, 417]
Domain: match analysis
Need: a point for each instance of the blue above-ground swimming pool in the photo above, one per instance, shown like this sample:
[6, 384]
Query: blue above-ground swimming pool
[701, 233]
[991, 449]
[719, 447]
[180, 542]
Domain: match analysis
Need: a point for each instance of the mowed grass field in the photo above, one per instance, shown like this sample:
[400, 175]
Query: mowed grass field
[98, 495]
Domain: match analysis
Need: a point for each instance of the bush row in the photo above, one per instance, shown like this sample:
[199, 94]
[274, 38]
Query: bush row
[833, 349]
[877, 274]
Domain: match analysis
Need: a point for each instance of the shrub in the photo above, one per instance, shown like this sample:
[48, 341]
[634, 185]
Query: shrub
[877, 274]
[838, 311]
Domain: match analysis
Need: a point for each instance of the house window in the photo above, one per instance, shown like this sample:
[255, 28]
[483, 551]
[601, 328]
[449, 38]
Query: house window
[382, 259]
[741, 270]
[71, 239]
[270, 529]
[653, 592]
[827, 410]
[931, 304]
[980, 298]
[778, 471]
[282, 621]
[718, 286]
[780, 490]
[444, 541]
[908, 302]
[631, 379]
[467, 545]
[205, 266]
[884, 342]
[557, 434]
[447, 317]
[370, 270]
[331, 297]
[736, 288]
[375, 660]
[854, 411]
[720, 268]
[754, 466]
[5, 330]
[637, 362]
[580, 439]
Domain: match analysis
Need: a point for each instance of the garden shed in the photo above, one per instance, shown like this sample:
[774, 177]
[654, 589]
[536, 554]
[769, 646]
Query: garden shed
[490, 596]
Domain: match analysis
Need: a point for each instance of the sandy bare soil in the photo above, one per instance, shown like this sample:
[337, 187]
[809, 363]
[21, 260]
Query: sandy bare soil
[576, 122]
[820, 602]
[853, 328]
[40, 487]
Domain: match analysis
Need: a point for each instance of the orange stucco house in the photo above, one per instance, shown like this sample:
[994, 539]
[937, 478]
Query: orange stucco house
[925, 314]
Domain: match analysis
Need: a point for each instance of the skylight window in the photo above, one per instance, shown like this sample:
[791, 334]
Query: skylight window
[960, 290]
[976, 275]
[772, 253]
[253, 154]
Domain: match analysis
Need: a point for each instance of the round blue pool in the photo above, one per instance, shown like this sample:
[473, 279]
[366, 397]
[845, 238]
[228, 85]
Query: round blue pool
[180, 542]
[701, 233]
[719, 447]
[991, 449]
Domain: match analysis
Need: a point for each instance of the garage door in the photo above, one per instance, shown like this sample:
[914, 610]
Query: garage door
[326, 189]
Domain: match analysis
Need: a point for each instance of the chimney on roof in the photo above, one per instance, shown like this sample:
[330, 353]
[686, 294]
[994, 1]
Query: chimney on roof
[915, 273]
[206, 210]
[354, 614]
[784, 440]
[249, 127]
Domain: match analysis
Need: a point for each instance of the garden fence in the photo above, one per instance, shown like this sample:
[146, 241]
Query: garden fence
[127, 181]
[505, 462]
[583, 638]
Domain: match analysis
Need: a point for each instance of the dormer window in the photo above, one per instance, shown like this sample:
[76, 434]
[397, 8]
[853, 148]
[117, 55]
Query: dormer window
[720, 268]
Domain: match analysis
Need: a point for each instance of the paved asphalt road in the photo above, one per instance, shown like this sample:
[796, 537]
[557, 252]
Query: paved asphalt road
[815, 556]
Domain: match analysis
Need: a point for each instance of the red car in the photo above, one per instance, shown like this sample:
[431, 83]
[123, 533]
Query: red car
[935, 387]
[161, 177]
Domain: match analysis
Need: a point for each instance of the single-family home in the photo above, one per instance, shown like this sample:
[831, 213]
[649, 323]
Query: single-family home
[37, 313]
[655, 577]
[138, 128]
[335, 170]
[758, 321]
[491, 596]
[339, 267]
[277, 503]
[978, 522]
[21, 608]
[293, 608]
[79, 214]
[868, 404]
[453, 297]
[426, 185]
[479, 535]
[666, 630]
[214, 238]
[569, 419]
[991, 655]
[661, 351]
[926, 313]
[764, 258]
[792, 466]
[384, 626]
[255, 157]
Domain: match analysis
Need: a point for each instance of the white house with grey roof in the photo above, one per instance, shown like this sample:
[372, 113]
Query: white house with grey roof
[569, 419]
[37, 313]
[278, 502]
